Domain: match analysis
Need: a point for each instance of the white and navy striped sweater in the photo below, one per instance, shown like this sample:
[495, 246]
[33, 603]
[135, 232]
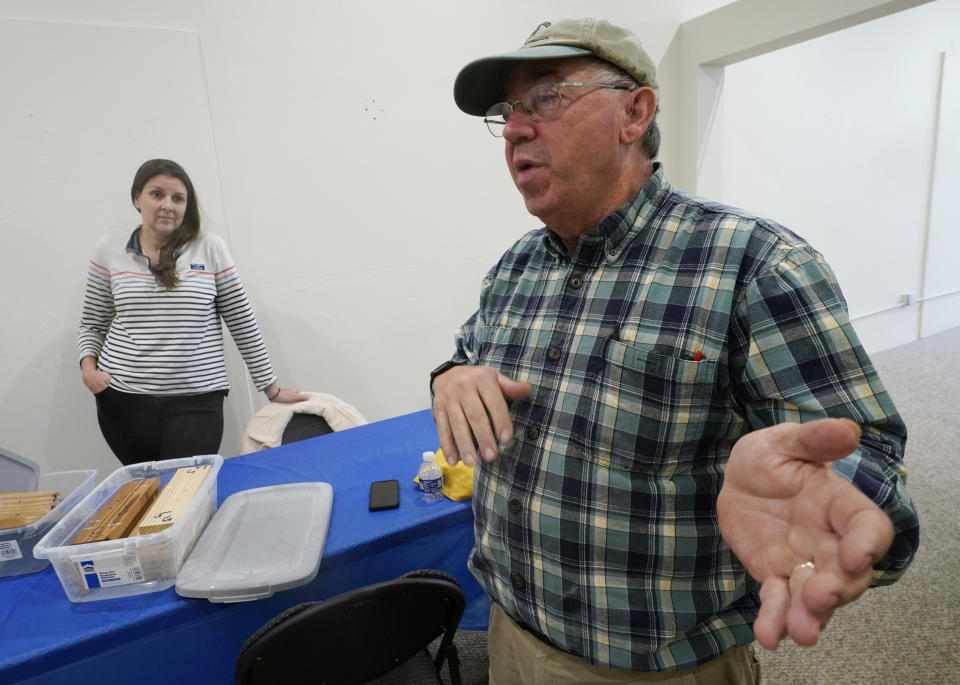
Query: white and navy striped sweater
[158, 341]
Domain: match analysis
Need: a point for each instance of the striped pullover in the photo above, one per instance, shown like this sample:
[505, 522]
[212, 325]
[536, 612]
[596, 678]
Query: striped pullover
[159, 341]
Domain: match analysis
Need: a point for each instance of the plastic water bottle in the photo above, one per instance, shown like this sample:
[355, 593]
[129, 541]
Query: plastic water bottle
[431, 479]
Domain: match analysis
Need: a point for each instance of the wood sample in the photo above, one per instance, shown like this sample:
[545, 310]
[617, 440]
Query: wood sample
[118, 516]
[173, 499]
[23, 508]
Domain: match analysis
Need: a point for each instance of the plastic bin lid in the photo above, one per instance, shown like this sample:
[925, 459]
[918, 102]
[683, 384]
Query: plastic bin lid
[259, 541]
[17, 474]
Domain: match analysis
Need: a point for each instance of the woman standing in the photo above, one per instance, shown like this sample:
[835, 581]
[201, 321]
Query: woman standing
[150, 340]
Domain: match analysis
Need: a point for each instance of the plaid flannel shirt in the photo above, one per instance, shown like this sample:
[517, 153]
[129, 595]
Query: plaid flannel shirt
[677, 326]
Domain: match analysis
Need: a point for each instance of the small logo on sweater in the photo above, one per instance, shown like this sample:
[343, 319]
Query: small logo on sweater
[198, 267]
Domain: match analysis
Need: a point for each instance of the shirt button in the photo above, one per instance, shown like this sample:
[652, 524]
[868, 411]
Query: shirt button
[518, 581]
[515, 506]
[575, 281]
[553, 354]
[614, 252]
[532, 433]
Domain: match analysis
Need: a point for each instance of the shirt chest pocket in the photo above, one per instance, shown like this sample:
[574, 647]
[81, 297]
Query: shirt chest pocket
[652, 410]
[507, 349]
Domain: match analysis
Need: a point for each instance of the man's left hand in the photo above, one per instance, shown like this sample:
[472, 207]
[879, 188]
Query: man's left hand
[782, 506]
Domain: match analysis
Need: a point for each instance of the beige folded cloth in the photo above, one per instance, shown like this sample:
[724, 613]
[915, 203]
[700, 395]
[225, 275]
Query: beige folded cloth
[265, 428]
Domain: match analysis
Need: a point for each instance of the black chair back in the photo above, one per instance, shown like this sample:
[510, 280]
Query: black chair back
[374, 634]
[303, 426]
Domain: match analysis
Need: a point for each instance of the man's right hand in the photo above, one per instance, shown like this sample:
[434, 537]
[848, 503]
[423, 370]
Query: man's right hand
[470, 410]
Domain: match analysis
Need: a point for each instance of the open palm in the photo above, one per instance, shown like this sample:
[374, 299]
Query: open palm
[782, 505]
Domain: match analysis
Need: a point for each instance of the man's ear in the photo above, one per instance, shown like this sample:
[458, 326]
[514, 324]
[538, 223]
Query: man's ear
[641, 106]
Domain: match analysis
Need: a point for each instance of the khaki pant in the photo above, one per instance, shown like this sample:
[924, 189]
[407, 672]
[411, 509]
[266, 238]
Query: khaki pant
[518, 658]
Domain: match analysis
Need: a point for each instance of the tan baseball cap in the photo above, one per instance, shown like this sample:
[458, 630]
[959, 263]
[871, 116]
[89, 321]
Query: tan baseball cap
[481, 83]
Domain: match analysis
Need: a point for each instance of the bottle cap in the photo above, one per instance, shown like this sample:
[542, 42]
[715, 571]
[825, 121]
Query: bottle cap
[428, 456]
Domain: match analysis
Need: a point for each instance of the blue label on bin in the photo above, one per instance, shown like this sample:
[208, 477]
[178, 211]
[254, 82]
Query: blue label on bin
[109, 570]
[90, 574]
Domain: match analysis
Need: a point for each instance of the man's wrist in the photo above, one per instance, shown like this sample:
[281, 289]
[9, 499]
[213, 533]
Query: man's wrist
[443, 368]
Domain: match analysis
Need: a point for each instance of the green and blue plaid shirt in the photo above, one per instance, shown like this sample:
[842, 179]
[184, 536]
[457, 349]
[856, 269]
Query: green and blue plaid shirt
[676, 327]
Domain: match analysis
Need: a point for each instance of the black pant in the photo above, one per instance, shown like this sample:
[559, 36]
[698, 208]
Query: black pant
[149, 427]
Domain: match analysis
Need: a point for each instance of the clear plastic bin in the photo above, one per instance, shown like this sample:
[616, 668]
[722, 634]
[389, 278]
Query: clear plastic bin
[19, 474]
[136, 565]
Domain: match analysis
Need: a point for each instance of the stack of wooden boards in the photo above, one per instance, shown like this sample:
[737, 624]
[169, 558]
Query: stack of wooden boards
[137, 509]
[23, 508]
[173, 499]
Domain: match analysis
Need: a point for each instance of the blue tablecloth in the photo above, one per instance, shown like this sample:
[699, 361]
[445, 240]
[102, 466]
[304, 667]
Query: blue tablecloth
[164, 638]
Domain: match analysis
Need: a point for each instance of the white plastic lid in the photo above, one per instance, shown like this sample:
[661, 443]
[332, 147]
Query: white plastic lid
[428, 456]
[17, 474]
[260, 541]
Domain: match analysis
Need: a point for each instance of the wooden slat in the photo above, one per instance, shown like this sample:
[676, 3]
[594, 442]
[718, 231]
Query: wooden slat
[118, 516]
[23, 508]
[173, 499]
[14, 521]
[27, 496]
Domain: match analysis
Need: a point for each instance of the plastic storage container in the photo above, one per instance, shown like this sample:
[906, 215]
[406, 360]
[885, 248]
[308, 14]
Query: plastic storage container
[136, 565]
[260, 541]
[19, 474]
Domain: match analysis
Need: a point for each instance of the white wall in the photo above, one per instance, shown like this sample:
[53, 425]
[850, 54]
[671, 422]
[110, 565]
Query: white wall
[837, 139]
[940, 306]
[362, 207]
[78, 117]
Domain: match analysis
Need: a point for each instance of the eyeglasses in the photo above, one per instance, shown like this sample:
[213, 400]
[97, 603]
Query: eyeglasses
[541, 102]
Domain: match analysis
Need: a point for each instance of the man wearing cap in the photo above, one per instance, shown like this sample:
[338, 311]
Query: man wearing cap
[683, 446]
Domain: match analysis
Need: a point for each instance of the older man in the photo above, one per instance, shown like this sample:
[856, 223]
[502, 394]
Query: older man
[682, 445]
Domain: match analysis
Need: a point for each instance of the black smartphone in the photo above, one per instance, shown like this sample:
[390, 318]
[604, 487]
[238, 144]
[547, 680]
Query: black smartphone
[384, 494]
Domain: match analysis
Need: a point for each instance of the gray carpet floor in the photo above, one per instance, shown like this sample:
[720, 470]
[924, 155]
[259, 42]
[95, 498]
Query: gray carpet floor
[907, 633]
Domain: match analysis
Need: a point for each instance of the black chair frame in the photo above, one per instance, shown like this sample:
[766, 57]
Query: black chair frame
[373, 634]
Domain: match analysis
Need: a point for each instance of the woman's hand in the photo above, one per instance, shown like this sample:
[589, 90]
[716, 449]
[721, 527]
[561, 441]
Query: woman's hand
[289, 395]
[96, 380]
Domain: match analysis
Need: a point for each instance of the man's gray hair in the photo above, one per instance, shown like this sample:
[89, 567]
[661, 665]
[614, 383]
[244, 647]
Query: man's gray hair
[612, 75]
